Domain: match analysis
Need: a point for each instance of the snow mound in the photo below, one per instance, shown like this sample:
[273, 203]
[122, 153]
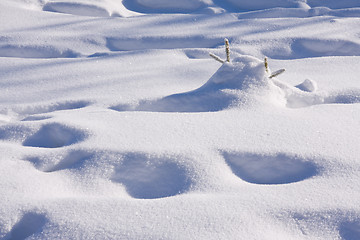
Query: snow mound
[244, 83]
[277, 169]
[307, 86]
[241, 82]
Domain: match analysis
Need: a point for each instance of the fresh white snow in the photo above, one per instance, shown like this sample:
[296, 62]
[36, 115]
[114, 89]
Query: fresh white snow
[115, 123]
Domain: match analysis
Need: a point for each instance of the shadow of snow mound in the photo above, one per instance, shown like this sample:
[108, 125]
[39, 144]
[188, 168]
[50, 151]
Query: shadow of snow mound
[320, 48]
[35, 52]
[334, 4]
[343, 97]
[13, 132]
[54, 135]
[76, 8]
[51, 163]
[144, 43]
[143, 176]
[350, 230]
[35, 118]
[302, 99]
[246, 5]
[270, 169]
[147, 177]
[184, 102]
[242, 82]
[308, 48]
[29, 225]
[73, 160]
[164, 6]
[328, 224]
[280, 12]
[59, 106]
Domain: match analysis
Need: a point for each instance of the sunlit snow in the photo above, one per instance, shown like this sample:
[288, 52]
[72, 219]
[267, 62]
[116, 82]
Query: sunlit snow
[116, 123]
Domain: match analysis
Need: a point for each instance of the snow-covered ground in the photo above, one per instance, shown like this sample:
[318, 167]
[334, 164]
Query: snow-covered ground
[115, 123]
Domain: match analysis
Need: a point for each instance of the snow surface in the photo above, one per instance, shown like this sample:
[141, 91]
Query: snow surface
[115, 123]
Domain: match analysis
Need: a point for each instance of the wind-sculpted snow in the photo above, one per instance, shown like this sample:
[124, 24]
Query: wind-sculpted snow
[196, 149]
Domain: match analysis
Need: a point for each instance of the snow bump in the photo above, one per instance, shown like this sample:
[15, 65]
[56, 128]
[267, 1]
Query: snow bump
[241, 82]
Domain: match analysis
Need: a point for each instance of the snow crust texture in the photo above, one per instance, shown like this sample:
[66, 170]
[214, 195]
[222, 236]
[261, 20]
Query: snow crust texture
[115, 123]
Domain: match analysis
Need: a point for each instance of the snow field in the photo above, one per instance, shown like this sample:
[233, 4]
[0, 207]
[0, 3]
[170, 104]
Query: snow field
[116, 124]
